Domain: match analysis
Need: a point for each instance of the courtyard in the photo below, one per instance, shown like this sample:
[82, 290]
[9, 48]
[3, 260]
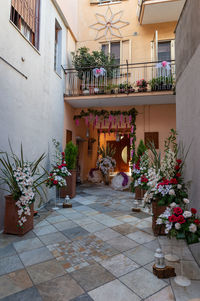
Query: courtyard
[99, 250]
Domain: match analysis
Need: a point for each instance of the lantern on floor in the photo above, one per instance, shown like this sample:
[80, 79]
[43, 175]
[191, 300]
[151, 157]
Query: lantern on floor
[159, 259]
[66, 203]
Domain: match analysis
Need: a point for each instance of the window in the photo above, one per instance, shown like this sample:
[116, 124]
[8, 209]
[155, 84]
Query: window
[25, 15]
[58, 47]
[112, 48]
[164, 51]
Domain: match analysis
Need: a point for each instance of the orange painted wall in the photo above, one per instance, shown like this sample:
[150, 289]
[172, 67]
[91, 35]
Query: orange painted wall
[151, 118]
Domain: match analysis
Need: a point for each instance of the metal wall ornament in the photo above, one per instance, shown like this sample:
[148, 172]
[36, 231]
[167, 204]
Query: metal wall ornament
[109, 23]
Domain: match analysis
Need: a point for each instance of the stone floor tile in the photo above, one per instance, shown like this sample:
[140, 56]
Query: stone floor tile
[94, 227]
[152, 245]
[143, 283]
[113, 291]
[92, 276]
[10, 264]
[122, 243]
[119, 265]
[45, 271]
[140, 255]
[75, 232]
[186, 293]
[140, 214]
[7, 250]
[45, 230]
[26, 295]
[107, 234]
[42, 224]
[65, 225]
[53, 238]
[165, 294]
[63, 288]
[72, 215]
[28, 244]
[84, 221]
[128, 219]
[14, 282]
[190, 269]
[195, 249]
[143, 224]
[56, 219]
[35, 256]
[140, 237]
[84, 297]
[125, 229]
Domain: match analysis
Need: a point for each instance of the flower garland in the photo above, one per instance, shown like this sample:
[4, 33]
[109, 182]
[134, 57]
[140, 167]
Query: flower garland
[23, 177]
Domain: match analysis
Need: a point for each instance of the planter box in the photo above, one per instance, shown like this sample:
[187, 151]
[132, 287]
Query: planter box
[70, 189]
[11, 218]
[157, 210]
[142, 89]
[139, 193]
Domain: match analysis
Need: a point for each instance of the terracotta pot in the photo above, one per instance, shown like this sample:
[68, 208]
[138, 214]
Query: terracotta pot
[139, 193]
[11, 218]
[157, 210]
[70, 189]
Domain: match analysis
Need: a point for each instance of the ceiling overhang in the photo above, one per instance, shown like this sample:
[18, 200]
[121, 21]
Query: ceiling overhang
[135, 99]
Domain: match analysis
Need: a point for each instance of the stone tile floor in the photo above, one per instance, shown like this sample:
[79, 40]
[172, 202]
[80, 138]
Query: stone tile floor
[99, 250]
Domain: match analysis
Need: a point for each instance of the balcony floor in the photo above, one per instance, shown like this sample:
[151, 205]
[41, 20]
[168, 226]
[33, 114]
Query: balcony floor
[98, 250]
[132, 99]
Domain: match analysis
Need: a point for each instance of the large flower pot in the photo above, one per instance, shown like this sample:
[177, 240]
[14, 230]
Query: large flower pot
[70, 189]
[11, 218]
[139, 193]
[157, 210]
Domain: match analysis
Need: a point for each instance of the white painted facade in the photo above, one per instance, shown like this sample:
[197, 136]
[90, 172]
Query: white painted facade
[32, 109]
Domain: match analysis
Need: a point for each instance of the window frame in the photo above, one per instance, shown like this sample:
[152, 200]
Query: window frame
[58, 48]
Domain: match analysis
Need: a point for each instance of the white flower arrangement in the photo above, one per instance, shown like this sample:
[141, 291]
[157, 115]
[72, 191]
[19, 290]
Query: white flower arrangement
[106, 164]
[24, 181]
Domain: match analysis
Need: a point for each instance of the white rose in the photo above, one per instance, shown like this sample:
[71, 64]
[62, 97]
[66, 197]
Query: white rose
[177, 226]
[159, 221]
[186, 201]
[173, 205]
[193, 228]
[179, 186]
[187, 214]
[171, 192]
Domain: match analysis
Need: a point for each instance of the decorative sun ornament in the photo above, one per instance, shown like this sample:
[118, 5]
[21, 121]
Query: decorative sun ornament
[109, 22]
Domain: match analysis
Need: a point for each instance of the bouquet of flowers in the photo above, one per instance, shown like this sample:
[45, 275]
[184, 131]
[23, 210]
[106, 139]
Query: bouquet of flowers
[106, 164]
[142, 83]
[181, 223]
[140, 171]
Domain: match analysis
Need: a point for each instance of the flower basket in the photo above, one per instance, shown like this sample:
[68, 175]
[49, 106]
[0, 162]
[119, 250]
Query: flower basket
[139, 193]
[70, 189]
[157, 211]
[11, 218]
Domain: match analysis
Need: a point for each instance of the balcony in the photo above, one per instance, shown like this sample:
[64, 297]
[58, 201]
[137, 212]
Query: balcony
[159, 11]
[128, 84]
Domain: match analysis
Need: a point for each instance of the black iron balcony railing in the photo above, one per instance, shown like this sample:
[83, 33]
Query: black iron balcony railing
[125, 78]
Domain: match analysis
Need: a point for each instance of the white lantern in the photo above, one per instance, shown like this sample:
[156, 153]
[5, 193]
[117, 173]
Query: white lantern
[159, 259]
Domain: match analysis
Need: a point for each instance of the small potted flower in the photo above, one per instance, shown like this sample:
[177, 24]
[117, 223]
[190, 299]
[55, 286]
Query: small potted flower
[142, 85]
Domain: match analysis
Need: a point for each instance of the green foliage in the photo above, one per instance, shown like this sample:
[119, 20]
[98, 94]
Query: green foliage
[155, 156]
[10, 162]
[141, 149]
[71, 152]
[170, 142]
[85, 61]
[108, 151]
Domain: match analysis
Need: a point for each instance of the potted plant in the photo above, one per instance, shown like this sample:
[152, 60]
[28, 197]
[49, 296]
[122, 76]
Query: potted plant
[105, 162]
[70, 153]
[142, 84]
[23, 179]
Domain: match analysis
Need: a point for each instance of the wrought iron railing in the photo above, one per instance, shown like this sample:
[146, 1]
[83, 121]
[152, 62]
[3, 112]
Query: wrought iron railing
[126, 78]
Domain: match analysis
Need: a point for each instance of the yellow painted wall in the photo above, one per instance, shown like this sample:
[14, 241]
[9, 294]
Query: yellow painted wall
[140, 44]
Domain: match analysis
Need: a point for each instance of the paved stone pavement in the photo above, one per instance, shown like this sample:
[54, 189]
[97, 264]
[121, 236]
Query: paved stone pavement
[98, 250]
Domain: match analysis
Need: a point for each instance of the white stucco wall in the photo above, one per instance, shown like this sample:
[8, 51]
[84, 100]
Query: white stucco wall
[32, 110]
[188, 122]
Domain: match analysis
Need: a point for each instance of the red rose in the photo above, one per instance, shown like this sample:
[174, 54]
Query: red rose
[178, 210]
[181, 219]
[179, 161]
[193, 210]
[144, 179]
[178, 174]
[172, 219]
[55, 182]
[51, 174]
[173, 181]
[177, 167]
[197, 221]
[63, 153]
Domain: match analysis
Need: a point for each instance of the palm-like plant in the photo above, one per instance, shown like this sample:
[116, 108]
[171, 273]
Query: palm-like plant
[10, 163]
[107, 151]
